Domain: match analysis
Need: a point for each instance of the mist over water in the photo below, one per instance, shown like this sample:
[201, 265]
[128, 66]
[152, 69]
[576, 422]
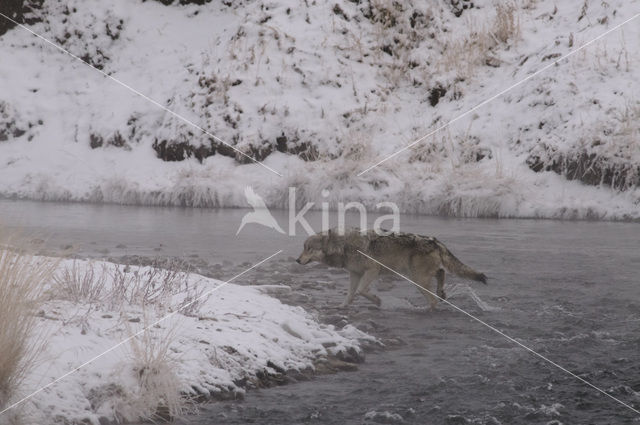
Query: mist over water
[569, 290]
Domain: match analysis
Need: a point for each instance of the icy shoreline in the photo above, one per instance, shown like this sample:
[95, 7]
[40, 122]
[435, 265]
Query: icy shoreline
[480, 191]
[236, 338]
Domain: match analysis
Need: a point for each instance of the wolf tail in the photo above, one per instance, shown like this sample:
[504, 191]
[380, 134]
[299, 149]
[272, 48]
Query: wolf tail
[457, 267]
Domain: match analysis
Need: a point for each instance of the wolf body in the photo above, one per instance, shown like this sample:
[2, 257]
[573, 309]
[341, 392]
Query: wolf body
[419, 258]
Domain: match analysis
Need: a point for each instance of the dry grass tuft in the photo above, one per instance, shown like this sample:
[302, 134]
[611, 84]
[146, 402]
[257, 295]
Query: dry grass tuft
[22, 279]
[122, 286]
[466, 54]
[506, 26]
[159, 395]
[445, 150]
[79, 283]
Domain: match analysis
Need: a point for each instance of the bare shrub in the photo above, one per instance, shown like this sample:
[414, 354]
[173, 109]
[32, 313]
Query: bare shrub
[146, 286]
[81, 283]
[194, 299]
[506, 26]
[395, 40]
[158, 395]
[22, 279]
[628, 119]
[443, 147]
[118, 286]
[465, 54]
[607, 153]
[359, 147]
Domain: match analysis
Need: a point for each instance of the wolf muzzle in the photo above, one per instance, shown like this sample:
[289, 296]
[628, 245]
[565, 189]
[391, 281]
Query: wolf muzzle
[302, 261]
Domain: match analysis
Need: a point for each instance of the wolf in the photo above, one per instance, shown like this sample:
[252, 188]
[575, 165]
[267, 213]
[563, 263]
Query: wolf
[420, 258]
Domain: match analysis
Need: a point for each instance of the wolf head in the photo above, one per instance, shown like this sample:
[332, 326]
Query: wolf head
[326, 247]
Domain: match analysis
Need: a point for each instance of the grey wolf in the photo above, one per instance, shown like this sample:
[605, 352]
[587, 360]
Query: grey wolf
[420, 258]
[260, 213]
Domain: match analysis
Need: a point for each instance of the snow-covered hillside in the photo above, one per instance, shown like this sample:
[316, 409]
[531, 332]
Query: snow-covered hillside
[321, 91]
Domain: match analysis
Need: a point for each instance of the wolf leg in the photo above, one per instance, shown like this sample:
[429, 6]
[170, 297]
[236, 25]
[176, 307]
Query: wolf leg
[427, 291]
[440, 280]
[353, 286]
[371, 297]
[363, 287]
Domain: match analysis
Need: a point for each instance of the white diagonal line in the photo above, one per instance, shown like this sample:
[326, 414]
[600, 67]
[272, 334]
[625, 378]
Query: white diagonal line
[505, 335]
[142, 95]
[494, 97]
[140, 332]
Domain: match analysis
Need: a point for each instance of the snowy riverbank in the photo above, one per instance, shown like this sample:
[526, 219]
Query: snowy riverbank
[320, 92]
[236, 338]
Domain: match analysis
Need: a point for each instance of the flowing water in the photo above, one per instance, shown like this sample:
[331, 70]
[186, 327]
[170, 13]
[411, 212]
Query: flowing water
[570, 291]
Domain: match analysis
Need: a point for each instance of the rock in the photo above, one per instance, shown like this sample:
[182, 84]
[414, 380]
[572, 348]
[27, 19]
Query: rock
[13, 9]
[350, 355]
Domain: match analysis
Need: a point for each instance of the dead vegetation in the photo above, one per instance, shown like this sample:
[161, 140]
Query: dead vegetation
[81, 284]
[150, 291]
[158, 395]
[22, 280]
[594, 163]
[606, 153]
[506, 25]
[406, 45]
[464, 55]
[446, 149]
[162, 286]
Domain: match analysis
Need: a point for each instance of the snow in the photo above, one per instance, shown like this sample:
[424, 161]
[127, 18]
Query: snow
[383, 417]
[253, 72]
[234, 334]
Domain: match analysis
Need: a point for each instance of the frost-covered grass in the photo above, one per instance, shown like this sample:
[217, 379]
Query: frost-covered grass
[159, 391]
[321, 91]
[235, 338]
[21, 284]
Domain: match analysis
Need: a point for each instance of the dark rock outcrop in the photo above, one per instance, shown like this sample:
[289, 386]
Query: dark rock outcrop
[12, 9]
[589, 168]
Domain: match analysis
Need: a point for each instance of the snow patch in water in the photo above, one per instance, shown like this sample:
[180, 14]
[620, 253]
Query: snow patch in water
[385, 417]
[552, 410]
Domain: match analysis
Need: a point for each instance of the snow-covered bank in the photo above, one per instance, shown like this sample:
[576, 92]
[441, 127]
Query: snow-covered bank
[320, 92]
[237, 337]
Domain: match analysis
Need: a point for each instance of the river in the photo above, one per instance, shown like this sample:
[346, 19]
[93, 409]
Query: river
[568, 290]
